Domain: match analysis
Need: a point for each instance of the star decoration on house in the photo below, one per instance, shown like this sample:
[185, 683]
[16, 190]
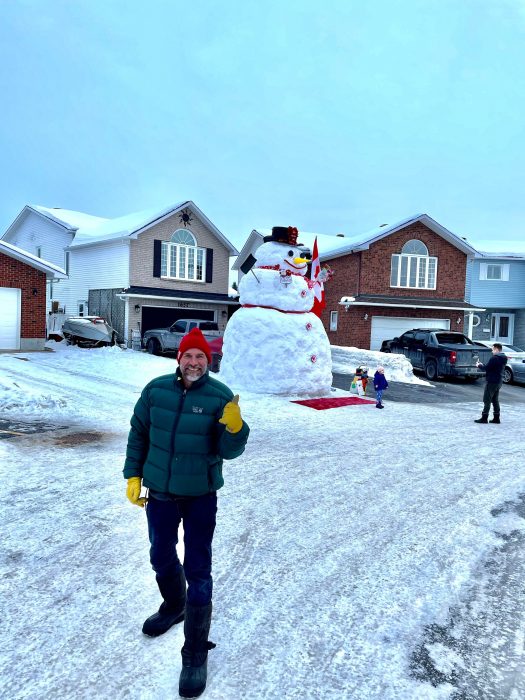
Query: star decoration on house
[185, 217]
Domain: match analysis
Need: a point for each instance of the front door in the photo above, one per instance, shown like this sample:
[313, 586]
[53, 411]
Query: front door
[502, 328]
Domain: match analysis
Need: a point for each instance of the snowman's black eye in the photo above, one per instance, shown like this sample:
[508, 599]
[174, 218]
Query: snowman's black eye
[290, 253]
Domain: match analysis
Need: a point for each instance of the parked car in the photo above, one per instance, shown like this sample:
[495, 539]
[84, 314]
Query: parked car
[515, 368]
[216, 353]
[440, 353]
[161, 340]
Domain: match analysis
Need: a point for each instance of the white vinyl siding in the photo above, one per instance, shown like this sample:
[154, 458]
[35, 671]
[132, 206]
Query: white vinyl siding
[413, 271]
[36, 232]
[102, 266]
[495, 272]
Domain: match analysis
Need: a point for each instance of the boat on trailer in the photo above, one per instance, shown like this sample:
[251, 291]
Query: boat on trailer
[88, 331]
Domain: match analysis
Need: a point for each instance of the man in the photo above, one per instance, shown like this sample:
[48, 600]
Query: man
[494, 379]
[183, 426]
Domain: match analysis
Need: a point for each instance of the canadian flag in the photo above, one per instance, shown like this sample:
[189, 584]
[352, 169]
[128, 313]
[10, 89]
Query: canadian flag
[318, 286]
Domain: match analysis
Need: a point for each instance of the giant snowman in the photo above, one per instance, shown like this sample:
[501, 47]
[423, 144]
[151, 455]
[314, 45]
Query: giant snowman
[274, 344]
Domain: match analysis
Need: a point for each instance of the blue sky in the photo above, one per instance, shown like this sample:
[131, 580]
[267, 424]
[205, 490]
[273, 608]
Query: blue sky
[333, 116]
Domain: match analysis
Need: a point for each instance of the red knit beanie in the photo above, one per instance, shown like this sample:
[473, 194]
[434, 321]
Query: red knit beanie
[194, 339]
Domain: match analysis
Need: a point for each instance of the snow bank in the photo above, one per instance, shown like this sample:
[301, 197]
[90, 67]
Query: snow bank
[345, 360]
[17, 396]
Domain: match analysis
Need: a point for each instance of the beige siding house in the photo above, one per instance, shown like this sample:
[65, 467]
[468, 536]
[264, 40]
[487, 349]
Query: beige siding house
[139, 271]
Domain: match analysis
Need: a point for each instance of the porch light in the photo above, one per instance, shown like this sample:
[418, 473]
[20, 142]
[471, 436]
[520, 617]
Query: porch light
[346, 301]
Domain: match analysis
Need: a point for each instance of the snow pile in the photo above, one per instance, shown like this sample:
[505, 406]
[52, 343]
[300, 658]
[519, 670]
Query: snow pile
[345, 360]
[16, 396]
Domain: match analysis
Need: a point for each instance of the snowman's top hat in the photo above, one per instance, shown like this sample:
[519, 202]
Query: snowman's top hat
[283, 234]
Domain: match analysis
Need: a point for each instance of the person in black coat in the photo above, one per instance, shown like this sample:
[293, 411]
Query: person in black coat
[494, 379]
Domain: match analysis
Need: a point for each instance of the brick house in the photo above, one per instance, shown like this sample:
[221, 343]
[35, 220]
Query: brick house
[23, 279]
[408, 275]
[394, 278]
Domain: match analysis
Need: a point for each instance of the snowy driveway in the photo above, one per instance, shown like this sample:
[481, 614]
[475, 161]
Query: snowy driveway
[354, 548]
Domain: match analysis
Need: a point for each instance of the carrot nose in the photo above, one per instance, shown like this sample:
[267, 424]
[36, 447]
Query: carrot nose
[300, 261]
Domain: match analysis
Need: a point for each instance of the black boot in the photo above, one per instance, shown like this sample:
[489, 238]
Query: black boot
[194, 672]
[484, 419]
[173, 590]
[495, 419]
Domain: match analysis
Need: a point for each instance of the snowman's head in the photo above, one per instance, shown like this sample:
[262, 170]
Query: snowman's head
[282, 256]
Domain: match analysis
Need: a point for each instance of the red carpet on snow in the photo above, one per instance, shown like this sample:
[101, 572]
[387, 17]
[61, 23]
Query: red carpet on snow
[323, 404]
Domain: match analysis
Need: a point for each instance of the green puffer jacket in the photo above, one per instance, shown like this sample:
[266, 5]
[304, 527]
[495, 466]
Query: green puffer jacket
[176, 444]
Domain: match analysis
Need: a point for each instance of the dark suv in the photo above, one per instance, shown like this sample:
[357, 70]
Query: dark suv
[439, 353]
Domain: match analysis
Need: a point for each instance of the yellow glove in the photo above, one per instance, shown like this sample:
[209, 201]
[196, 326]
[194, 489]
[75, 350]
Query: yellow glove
[133, 491]
[231, 416]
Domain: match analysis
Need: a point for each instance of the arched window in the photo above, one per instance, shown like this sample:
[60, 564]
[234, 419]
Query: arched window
[413, 267]
[183, 237]
[181, 257]
[414, 247]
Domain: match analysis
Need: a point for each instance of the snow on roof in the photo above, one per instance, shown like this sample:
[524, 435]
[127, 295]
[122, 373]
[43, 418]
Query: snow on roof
[501, 249]
[363, 241]
[331, 245]
[121, 226]
[68, 218]
[50, 269]
[92, 229]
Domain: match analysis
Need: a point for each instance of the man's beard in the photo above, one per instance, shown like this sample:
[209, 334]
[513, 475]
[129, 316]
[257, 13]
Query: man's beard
[192, 375]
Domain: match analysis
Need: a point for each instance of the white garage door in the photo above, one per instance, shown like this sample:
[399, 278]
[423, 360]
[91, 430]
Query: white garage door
[9, 318]
[385, 327]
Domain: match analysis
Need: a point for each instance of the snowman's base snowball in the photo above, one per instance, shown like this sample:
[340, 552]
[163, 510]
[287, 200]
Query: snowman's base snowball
[269, 352]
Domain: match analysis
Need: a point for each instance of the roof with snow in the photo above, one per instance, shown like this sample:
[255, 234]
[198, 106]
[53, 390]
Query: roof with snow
[52, 271]
[336, 245]
[88, 229]
[496, 249]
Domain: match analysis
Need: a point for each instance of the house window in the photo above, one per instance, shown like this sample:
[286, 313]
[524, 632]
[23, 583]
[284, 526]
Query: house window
[333, 320]
[413, 267]
[181, 258]
[498, 272]
[82, 308]
[39, 251]
[66, 262]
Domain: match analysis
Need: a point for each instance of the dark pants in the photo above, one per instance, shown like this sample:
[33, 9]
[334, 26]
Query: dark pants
[491, 396]
[198, 519]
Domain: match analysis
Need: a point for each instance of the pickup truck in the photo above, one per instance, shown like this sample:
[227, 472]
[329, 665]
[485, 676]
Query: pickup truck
[440, 353]
[160, 340]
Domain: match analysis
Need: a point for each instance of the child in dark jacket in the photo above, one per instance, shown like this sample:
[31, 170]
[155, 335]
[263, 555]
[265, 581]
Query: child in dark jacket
[380, 384]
